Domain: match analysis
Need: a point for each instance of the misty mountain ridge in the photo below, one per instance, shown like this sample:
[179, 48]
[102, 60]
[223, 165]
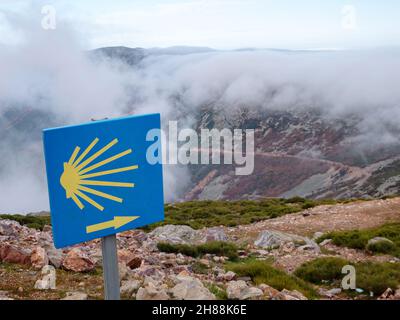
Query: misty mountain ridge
[308, 141]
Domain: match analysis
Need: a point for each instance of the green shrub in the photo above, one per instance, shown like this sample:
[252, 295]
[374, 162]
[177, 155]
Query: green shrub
[262, 272]
[377, 277]
[199, 268]
[381, 247]
[185, 249]
[200, 214]
[358, 239]
[316, 271]
[220, 248]
[36, 222]
[371, 277]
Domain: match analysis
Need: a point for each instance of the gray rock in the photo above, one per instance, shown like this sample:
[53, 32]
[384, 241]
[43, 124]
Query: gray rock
[190, 288]
[55, 256]
[151, 292]
[317, 235]
[239, 290]
[48, 281]
[175, 234]
[76, 296]
[325, 242]
[128, 287]
[9, 228]
[214, 234]
[274, 239]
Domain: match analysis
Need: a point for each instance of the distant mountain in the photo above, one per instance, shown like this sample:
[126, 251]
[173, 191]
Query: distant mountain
[298, 154]
[132, 56]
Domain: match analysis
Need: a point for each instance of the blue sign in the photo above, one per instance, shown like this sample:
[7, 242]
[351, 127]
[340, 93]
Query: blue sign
[99, 179]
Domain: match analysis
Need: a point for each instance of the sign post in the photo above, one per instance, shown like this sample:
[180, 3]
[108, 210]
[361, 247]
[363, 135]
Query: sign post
[110, 267]
[101, 182]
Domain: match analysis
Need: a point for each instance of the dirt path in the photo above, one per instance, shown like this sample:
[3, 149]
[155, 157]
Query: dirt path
[355, 215]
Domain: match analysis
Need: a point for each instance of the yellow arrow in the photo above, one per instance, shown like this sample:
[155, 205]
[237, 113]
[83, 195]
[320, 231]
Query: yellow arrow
[116, 223]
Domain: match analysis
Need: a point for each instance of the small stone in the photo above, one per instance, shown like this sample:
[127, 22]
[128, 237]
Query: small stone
[128, 287]
[290, 295]
[325, 242]
[268, 291]
[48, 281]
[75, 296]
[241, 291]
[205, 262]
[387, 294]
[317, 235]
[123, 271]
[151, 292]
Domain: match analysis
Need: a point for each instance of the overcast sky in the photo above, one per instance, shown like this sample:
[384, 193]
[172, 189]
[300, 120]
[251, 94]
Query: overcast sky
[221, 24]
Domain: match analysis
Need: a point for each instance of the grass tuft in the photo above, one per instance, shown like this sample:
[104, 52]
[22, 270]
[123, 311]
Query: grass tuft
[219, 248]
[262, 272]
[358, 239]
[371, 277]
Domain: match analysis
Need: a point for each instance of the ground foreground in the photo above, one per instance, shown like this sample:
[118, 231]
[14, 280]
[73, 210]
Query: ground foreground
[274, 249]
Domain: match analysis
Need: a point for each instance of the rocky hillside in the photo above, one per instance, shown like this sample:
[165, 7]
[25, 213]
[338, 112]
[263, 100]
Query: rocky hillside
[299, 154]
[295, 256]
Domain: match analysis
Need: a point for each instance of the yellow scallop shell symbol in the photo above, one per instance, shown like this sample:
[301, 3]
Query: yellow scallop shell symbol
[77, 175]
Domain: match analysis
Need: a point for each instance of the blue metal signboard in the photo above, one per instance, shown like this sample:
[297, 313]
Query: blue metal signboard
[99, 179]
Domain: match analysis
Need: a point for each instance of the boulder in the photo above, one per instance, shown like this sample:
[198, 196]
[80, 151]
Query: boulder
[175, 234]
[76, 260]
[385, 245]
[75, 296]
[214, 234]
[55, 256]
[12, 254]
[39, 258]
[190, 288]
[151, 292]
[274, 239]
[239, 290]
[9, 228]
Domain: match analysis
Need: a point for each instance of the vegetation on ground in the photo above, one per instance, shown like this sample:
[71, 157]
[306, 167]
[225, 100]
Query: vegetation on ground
[210, 213]
[35, 222]
[220, 248]
[262, 272]
[19, 280]
[358, 239]
[370, 276]
[200, 214]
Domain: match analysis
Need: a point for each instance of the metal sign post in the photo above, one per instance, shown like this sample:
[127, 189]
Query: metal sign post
[110, 267]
